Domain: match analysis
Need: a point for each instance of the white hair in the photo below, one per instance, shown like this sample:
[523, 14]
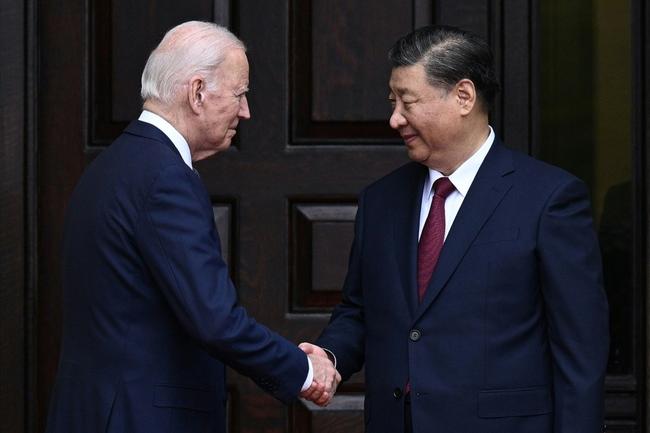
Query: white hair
[191, 48]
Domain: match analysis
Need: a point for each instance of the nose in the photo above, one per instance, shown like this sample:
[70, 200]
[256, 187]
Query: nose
[396, 119]
[244, 110]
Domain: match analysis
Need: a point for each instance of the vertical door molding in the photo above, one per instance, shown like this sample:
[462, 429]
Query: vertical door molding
[513, 39]
[641, 156]
[18, 216]
[12, 218]
[62, 91]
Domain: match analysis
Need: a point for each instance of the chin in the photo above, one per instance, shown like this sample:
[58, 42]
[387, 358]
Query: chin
[416, 156]
[225, 144]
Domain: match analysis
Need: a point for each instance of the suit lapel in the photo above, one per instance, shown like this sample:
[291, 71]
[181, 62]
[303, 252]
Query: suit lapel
[488, 189]
[406, 217]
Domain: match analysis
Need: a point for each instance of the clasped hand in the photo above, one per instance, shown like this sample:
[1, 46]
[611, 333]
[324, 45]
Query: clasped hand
[326, 378]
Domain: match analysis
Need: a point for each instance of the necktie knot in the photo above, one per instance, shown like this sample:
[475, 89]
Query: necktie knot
[443, 187]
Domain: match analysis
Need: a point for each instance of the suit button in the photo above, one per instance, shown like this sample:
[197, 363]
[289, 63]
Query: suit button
[415, 335]
[397, 393]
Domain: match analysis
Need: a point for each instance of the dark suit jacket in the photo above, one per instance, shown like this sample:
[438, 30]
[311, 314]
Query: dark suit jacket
[150, 313]
[511, 336]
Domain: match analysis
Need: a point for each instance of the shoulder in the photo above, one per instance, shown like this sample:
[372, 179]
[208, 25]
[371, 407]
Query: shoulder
[530, 173]
[131, 166]
[397, 181]
[548, 171]
[147, 145]
[141, 155]
[536, 186]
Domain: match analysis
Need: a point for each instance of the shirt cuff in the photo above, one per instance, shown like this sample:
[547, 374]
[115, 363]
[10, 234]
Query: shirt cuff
[330, 355]
[310, 377]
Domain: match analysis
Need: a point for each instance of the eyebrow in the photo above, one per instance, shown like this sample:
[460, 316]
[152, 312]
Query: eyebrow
[400, 91]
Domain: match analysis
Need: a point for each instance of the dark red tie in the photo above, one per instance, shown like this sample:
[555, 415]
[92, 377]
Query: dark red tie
[431, 240]
[433, 234]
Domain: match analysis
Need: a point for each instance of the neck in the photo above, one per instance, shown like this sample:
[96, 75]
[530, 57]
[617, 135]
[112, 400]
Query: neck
[174, 117]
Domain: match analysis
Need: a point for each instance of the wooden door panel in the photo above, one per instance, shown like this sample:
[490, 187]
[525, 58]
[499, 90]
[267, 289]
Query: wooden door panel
[339, 68]
[343, 415]
[121, 36]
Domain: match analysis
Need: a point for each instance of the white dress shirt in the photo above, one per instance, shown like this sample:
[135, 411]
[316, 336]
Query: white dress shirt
[462, 179]
[184, 149]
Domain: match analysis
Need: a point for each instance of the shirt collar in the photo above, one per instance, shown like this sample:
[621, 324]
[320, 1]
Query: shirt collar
[464, 175]
[176, 138]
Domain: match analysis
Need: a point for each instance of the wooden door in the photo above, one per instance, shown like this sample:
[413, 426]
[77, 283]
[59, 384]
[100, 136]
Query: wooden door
[285, 194]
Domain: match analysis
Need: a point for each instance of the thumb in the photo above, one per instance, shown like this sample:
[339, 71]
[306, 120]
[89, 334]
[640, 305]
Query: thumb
[308, 348]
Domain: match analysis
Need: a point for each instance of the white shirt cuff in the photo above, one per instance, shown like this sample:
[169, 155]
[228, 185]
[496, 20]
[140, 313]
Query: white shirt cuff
[310, 376]
[330, 355]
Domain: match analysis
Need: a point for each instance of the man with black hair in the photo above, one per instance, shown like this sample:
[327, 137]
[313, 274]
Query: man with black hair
[474, 291]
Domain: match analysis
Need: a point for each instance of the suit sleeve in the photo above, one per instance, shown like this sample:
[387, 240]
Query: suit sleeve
[179, 243]
[344, 336]
[576, 308]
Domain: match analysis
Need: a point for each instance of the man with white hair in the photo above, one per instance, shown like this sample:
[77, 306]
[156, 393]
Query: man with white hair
[150, 313]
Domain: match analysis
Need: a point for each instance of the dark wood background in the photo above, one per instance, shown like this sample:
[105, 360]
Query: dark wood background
[13, 221]
[284, 195]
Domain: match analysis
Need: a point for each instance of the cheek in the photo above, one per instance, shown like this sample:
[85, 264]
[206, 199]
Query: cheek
[422, 122]
[226, 117]
[219, 114]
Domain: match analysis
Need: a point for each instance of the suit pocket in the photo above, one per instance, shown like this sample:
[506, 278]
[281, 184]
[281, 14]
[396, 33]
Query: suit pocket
[492, 236]
[500, 403]
[184, 398]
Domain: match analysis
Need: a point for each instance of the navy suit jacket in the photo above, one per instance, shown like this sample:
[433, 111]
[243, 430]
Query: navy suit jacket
[512, 335]
[150, 314]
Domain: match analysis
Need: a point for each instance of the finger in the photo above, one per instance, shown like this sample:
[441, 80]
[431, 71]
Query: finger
[324, 399]
[308, 393]
[333, 381]
[329, 385]
[316, 396]
[316, 391]
[309, 396]
[312, 349]
[319, 401]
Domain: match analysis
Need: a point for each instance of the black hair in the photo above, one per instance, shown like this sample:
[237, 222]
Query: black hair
[449, 55]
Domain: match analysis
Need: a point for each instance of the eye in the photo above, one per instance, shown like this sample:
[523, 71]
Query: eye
[241, 94]
[392, 102]
[409, 104]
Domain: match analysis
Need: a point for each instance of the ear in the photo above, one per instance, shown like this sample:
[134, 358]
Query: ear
[466, 96]
[196, 93]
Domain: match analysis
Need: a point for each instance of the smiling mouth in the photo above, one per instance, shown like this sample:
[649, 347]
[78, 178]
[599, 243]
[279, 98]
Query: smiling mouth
[408, 138]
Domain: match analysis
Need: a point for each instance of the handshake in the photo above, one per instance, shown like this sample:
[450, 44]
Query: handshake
[326, 378]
